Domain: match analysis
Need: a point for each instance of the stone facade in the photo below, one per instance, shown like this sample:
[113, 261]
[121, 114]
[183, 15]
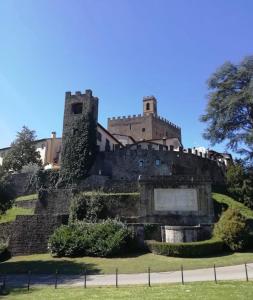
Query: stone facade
[128, 165]
[201, 212]
[76, 106]
[30, 234]
[148, 126]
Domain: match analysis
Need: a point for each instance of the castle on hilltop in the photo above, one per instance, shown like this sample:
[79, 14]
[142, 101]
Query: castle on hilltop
[140, 156]
[148, 126]
[146, 130]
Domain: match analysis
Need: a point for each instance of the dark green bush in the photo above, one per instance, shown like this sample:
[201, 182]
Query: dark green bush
[4, 253]
[6, 192]
[194, 249]
[94, 206]
[108, 238]
[90, 207]
[233, 229]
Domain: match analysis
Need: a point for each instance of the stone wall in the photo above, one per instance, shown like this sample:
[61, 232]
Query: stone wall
[201, 212]
[20, 183]
[30, 234]
[5, 231]
[106, 184]
[31, 204]
[54, 202]
[146, 127]
[129, 165]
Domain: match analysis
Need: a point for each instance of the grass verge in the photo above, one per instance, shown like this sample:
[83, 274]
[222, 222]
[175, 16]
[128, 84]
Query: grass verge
[45, 264]
[27, 198]
[11, 214]
[206, 290]
[230, 202]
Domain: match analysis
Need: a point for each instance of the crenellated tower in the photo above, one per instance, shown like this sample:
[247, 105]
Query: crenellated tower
[79, 134]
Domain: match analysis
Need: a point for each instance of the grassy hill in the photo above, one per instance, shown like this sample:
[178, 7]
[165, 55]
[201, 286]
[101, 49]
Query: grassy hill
[222, 202]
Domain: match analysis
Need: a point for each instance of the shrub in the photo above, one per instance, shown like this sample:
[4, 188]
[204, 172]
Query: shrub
[194, 249]
[6, 192]
[233, 229]
[89, 207]
[4, 253]
[94, 206]
[94, 239]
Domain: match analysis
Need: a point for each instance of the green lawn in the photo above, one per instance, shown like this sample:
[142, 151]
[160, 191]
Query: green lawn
[198, 291]
[230, 202]
[11, 214]
[27, 198]
[45, 264]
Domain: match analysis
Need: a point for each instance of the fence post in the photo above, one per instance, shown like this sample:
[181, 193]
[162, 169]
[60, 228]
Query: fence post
[246, 272]
[85, 278]
[4, 282]
[182, 274]
[56, 279]
[214, 271]
[149, 283]
[116, 277]
[29, 280]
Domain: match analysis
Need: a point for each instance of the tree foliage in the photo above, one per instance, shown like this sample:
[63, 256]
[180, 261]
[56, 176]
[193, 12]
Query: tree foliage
[6, 192]
[79, 149]
[229, 112]
[233, 230]
[22, 152]
[240, 182]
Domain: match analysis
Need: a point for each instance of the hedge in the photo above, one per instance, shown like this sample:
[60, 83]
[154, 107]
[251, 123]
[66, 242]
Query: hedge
[194, 249]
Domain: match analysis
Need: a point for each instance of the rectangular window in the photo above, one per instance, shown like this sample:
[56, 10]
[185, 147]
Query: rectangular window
[157, 162]
[107, 145]
[141, 163]
[77, 108]
[99, 136]
[143, 129]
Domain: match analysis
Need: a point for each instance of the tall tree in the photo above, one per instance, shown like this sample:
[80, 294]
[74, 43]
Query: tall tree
[23, 151]
[6, 192]
[229, 112]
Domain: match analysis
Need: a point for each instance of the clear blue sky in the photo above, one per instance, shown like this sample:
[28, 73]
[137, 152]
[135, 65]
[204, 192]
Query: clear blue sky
[122, 50]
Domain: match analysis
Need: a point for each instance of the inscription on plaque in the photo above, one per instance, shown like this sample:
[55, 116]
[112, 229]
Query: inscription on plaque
[175, 200]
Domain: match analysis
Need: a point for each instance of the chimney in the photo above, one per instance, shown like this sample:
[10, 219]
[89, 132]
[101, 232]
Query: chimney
[53, 135]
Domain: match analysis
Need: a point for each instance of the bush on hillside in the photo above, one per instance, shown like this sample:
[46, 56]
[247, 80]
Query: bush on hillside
[240, 182]
[194, 249]
[6, 192]
[233, 229]
[4, 253]
[88, 207]
[108, 238]
[95, 206]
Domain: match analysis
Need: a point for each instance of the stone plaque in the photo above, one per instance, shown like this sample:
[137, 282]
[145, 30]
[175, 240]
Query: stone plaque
[175, 200]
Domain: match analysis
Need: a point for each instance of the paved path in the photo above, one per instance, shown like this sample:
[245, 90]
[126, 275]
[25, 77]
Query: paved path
[236, 272]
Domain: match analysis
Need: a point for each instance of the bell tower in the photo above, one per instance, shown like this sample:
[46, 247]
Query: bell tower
[149, 106]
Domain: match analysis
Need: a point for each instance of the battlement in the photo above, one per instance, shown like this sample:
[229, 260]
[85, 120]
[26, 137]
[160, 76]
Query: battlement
[168, 122]
[69, 94]
[148, 98]
[129, 117]
[133, 117]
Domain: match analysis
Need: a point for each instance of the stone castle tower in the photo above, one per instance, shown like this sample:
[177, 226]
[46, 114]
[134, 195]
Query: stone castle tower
[148, 126]
[79, 108]
[76, 106]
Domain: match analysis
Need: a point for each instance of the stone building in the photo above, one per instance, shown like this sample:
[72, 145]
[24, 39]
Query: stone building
[148, 126]
[48, 148]
[142, 155]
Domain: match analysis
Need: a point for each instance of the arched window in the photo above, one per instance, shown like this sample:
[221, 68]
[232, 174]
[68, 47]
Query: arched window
[147, 106]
